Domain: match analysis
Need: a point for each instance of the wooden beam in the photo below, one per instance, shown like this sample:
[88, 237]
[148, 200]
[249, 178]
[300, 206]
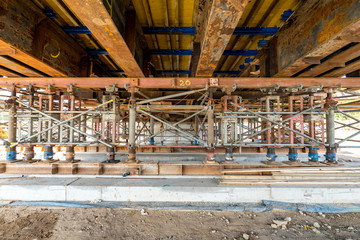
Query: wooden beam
[316, 30]
[181, 83]
[93, 14]
[37, 41]
[220, 24]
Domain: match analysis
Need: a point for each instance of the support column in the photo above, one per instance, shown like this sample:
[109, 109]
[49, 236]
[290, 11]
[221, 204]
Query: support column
[11, 150]
[330, 128]
[132, 128]
[152, 131]
[83, 127]
[211, 130]
[196, 129]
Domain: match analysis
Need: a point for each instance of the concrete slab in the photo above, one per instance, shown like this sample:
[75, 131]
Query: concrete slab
[176, 190]
[31, 189]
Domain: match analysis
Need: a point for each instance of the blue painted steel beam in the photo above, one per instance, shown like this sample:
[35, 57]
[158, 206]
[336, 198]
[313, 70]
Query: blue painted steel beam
[240, 52]
[191, 30]
[255, 30]
[285, 16]
[171, 52]
[169, 30]
[76, 30]
[50, 13]
[248, 60]
[95, 52]
[262, 43]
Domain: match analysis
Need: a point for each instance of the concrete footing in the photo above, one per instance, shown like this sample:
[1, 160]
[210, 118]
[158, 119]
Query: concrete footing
[170, 189]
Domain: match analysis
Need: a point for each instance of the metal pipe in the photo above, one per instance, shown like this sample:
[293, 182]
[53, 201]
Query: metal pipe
[191, 116]
[283, 121]
[132, 130]
[58, 121]
[211, 127]
[274, 113]
[12, 126]
[268, 145]
[170, 125]
[170, 96]
[280, 124]
[330, 127]
[152, 131]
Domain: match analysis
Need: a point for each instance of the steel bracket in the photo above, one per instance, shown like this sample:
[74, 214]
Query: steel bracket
[214, 82]
[270, 91]
[111, 88]
[314, 89]
[293, 89]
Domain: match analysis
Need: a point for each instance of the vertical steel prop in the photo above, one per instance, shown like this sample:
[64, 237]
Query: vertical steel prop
[11, 150]
[330, 155]
[132, 127]
[211, 130]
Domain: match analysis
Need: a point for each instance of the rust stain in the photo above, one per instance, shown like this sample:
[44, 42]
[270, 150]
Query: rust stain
[334, 26]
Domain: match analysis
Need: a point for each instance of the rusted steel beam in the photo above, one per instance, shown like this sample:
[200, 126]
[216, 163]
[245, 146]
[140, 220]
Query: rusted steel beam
[19, 68]
[338, 61]
[7, 73]
[182, 83]
[38, 42]
[316, 30]
[31, 61]
[349, 68]
[219, 26]
[93, 14]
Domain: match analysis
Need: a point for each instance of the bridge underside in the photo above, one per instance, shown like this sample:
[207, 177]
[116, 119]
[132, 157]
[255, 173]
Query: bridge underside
[219, 78]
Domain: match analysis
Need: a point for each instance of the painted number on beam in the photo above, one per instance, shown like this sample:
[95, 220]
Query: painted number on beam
[185, 83]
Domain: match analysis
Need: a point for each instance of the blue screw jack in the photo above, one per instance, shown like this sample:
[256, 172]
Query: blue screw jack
[271, 155]
[330, 155]
[293, 155]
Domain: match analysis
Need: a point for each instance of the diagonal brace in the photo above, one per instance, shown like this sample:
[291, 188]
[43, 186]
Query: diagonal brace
[170, 125]
[60, 123]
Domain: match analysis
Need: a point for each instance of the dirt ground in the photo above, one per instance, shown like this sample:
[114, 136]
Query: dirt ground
[101, 223]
